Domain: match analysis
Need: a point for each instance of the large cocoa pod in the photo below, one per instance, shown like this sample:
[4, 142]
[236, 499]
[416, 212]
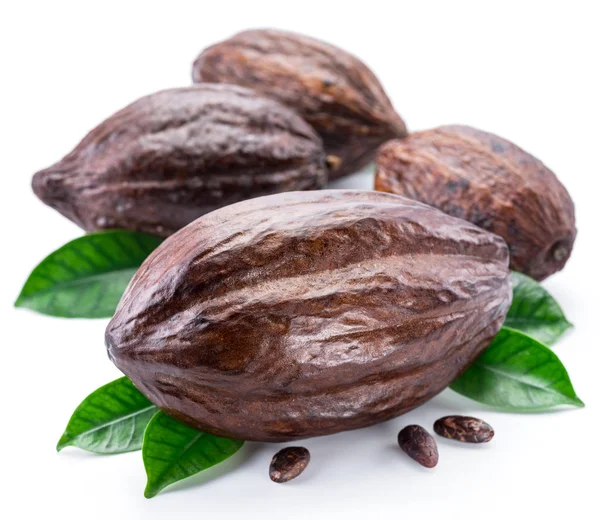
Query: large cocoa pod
[491, 182]
[309, 313]
[170, 157]
[333, 90]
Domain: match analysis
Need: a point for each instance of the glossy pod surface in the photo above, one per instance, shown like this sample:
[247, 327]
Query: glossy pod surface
[491, 182]
[172, 156]
[334, 91]
[309, 313]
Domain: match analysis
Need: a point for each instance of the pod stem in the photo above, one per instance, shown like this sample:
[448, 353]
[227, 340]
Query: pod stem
[332, 162]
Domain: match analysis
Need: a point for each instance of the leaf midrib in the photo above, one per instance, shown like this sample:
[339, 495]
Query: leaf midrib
[75, 282]
[512, 377]
[520, 319]
[186, 448]
[110, 423]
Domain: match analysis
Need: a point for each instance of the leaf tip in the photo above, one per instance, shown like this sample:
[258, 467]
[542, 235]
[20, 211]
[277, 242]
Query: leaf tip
[578, 402]
[150, 491]
[63, 442]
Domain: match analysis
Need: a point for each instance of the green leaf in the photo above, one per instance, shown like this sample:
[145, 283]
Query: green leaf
[86, 277]
[517, 372]
[110, 420]
[535, 312]
[173, 451]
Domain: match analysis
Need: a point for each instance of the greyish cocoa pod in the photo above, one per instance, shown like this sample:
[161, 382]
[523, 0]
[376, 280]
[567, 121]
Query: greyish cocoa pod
[491, 182]
[170, 157]
[333, 90]
[308, 313]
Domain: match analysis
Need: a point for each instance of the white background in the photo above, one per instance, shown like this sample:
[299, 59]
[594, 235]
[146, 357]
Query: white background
[527, 71]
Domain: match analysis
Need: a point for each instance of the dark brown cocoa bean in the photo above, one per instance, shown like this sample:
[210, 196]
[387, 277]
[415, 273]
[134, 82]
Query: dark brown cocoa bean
[170, 157]
[288, 463]
[464, 429]
[334, 91]
[418, 444]
[491, 182]
[309, 313]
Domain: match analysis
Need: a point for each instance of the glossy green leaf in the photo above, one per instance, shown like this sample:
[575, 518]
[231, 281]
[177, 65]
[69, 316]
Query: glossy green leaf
[517, 372]
[86, 277]
[173, 451]
[534, 311]
[110, 420]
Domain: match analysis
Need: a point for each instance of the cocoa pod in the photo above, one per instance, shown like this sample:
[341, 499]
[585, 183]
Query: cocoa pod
[491, 182]
[170, 157]
[288, 463]
[334, 91]
[309, 313]
[419, 445]
[464, 429]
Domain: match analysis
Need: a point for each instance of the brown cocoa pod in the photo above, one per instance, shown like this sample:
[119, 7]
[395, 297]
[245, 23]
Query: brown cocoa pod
[418, 444]
[464, 429]
[309, 313]
[170, 157]
[333, 90]
[288, 463]
[491, 182]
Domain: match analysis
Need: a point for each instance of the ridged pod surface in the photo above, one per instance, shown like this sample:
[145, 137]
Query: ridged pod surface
[491, 182]
[172, 156]
[333, 90]
[309, 313]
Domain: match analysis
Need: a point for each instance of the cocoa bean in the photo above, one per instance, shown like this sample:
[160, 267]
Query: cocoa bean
[288, 463]
[418, 444]
[464, 429]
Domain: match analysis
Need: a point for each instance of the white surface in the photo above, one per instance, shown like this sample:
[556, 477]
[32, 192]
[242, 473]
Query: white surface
[526, 71]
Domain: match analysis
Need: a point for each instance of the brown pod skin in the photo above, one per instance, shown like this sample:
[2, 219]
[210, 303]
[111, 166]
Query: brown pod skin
[334, 91]
[464, 429]
[309, 313]
[172, 156]
[419, 445]
[288, 463]
[491, 182]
